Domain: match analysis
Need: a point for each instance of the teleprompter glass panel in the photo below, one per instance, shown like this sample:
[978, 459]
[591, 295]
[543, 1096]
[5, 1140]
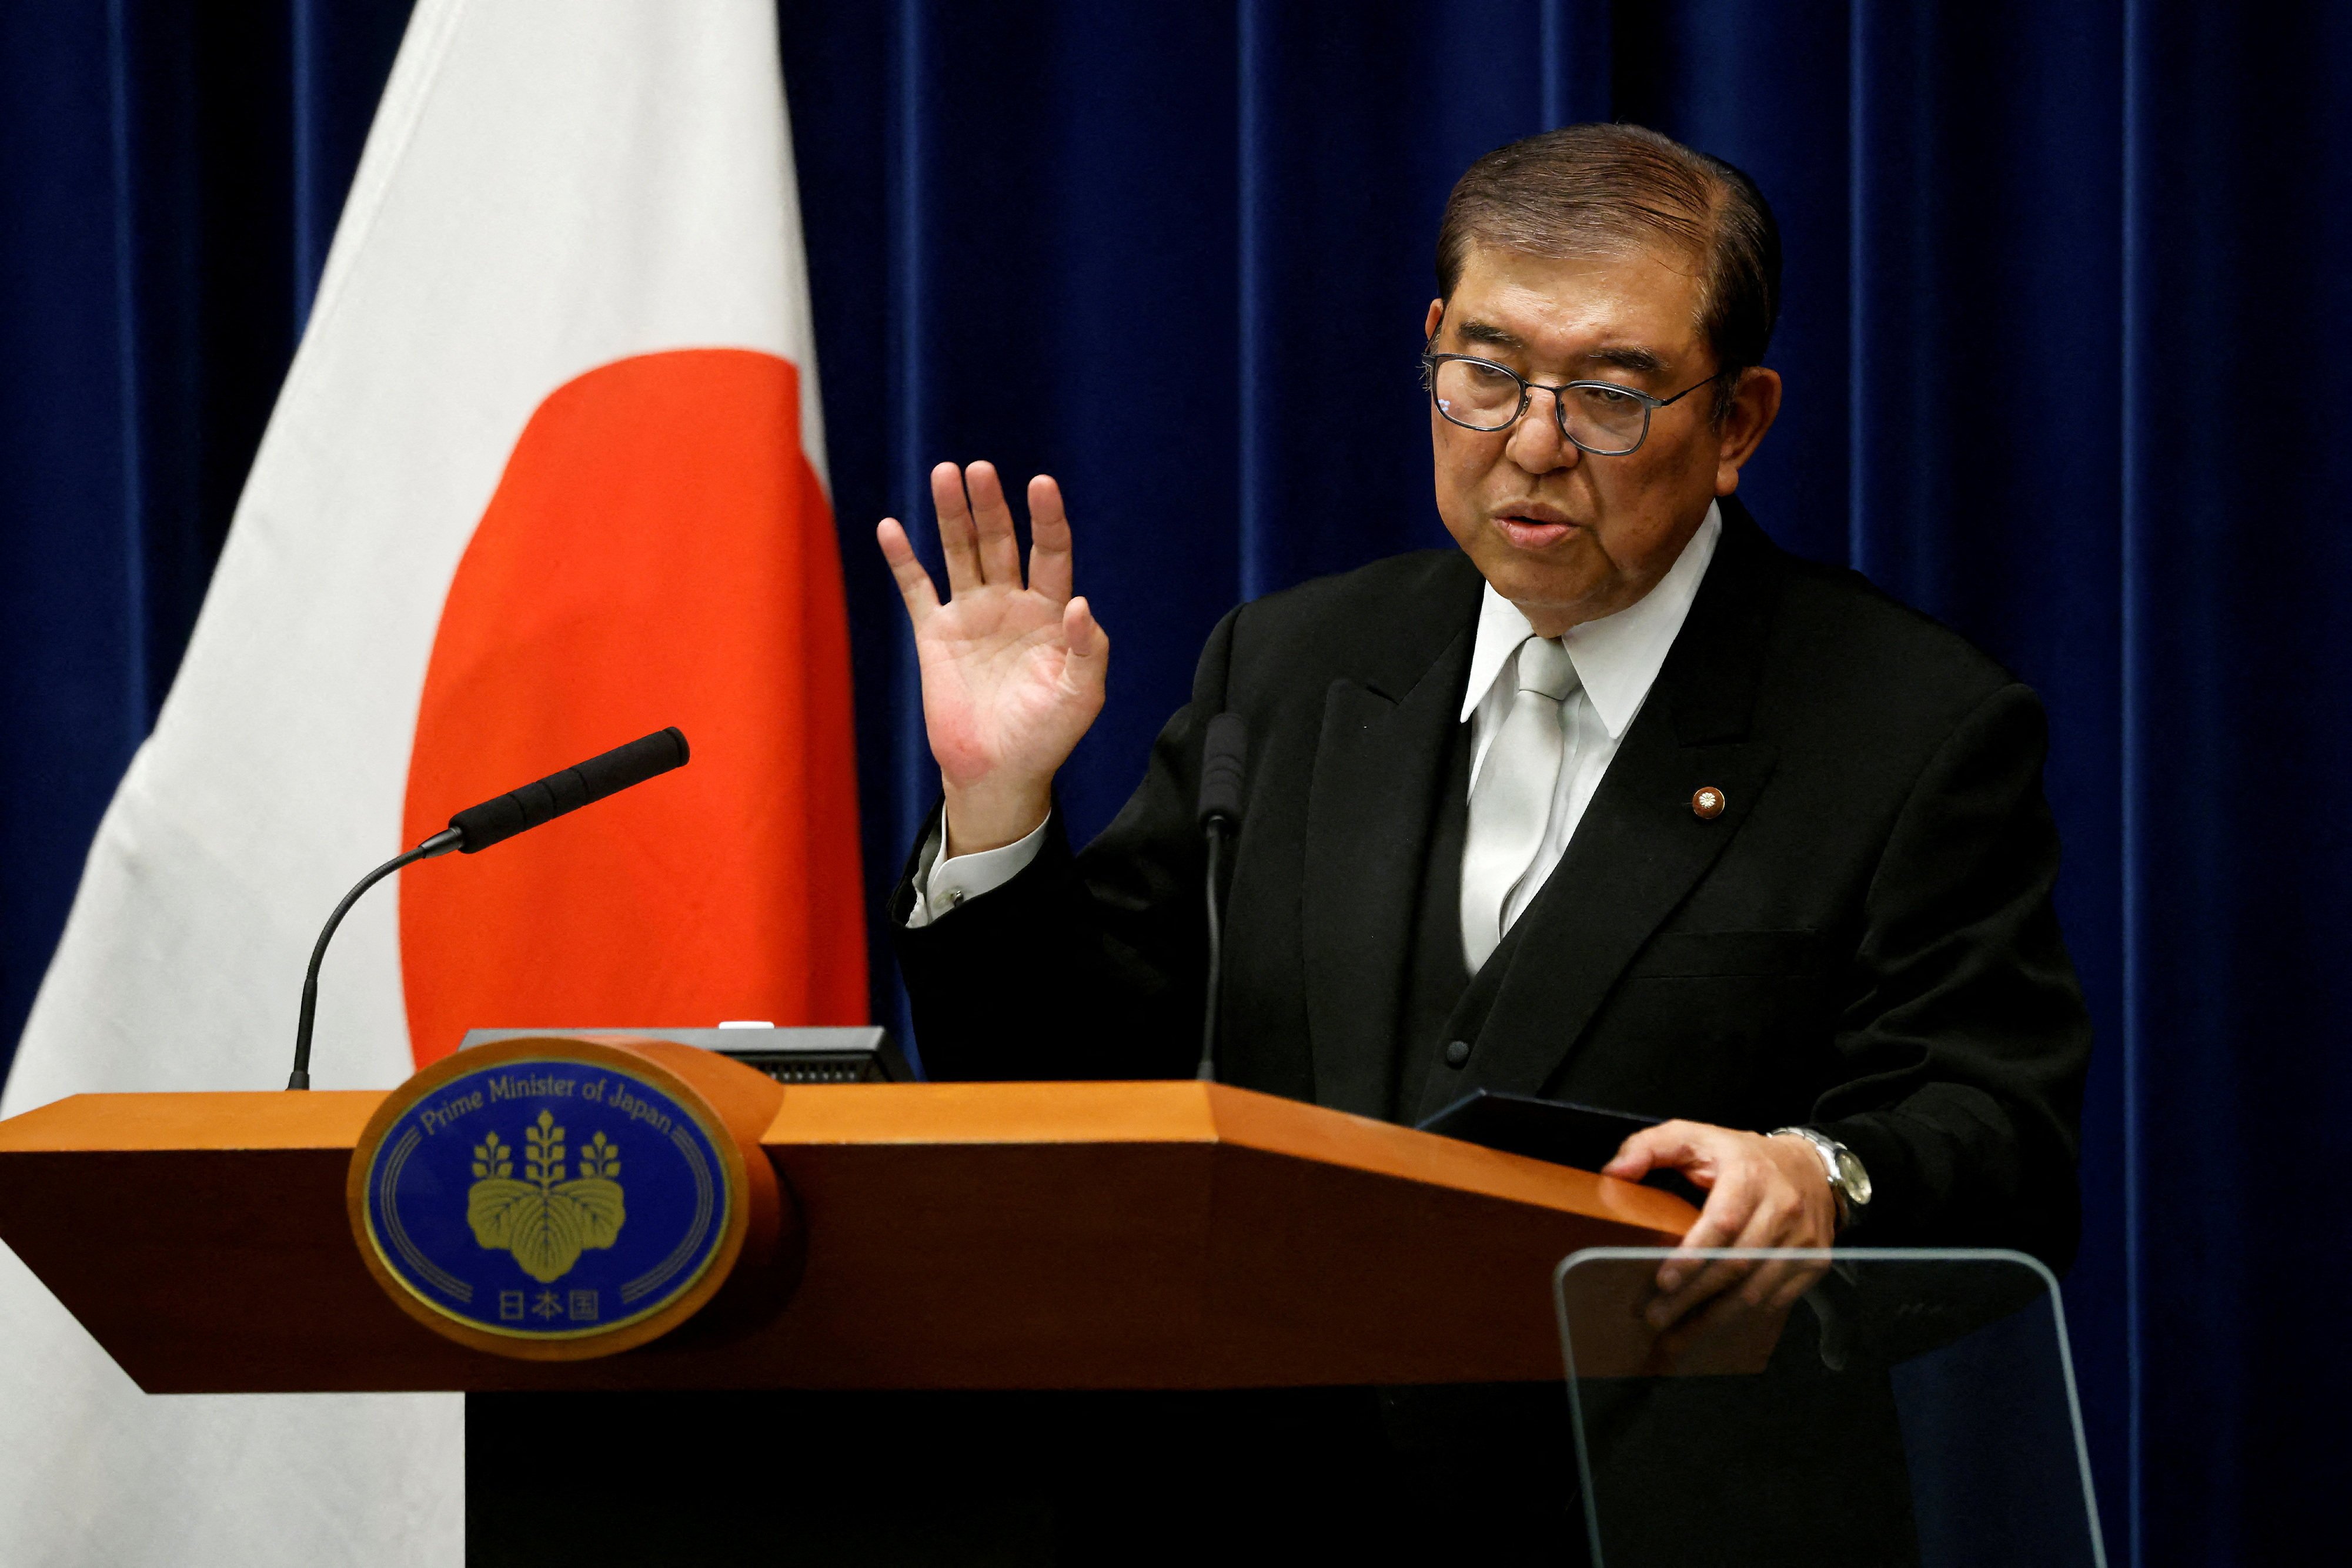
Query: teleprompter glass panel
[1898, 1409]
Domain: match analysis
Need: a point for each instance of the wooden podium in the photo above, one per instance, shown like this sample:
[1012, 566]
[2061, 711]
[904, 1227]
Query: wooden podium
[996, 1236]
[1154, 1235]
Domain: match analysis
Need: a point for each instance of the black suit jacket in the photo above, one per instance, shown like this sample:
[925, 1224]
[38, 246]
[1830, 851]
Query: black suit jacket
[1862, 941]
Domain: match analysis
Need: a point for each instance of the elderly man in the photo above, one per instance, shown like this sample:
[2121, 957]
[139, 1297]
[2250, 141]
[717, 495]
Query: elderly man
[1617, 803]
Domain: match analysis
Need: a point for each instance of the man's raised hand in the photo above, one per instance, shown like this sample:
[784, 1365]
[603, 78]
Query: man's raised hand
[1013, 673]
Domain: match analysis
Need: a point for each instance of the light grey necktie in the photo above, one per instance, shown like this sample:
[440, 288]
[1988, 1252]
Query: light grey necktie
[1510, 805]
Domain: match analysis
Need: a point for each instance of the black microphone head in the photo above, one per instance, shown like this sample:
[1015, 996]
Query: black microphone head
[641, 760]
[547, 799]
[1222, 755]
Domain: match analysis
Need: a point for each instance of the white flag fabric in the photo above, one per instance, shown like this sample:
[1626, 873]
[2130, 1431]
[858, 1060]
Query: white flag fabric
[545, 475]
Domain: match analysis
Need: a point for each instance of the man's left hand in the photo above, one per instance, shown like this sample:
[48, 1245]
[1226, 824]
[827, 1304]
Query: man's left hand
[1761, 1192]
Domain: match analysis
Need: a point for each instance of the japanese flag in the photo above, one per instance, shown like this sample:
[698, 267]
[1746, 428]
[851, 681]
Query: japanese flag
[547, 475]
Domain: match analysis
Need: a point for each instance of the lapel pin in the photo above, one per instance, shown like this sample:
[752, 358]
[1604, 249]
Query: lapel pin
[1707, 804]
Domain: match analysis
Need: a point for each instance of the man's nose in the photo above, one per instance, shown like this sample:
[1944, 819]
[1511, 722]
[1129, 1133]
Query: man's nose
[1536, 443]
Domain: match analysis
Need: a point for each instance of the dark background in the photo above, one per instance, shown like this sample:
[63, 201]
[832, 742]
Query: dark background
[2066, 292]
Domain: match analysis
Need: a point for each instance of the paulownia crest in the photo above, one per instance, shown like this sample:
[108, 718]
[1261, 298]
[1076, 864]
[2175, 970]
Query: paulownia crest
[544, 1220]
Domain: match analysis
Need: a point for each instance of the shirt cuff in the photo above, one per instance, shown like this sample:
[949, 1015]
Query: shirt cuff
[942, 886]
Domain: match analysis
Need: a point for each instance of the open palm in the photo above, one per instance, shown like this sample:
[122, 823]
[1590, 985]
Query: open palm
[1012, 671]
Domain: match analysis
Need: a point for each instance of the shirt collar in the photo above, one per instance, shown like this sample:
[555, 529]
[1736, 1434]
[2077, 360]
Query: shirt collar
[1617, 657]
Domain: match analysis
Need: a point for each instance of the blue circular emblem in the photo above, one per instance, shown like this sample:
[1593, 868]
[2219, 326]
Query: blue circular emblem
[547, 1198]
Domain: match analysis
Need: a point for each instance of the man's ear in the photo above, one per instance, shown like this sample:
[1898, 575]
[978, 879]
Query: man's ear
[1755, 404]
[1436, 315]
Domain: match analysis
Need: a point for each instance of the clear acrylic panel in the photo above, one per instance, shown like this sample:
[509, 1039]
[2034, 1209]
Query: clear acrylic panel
[1907, 1408]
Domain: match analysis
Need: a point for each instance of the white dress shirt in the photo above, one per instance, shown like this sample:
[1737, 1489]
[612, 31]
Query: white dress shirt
[1617, 659]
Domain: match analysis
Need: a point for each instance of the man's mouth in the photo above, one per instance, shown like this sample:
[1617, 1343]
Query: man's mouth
[1535, 527]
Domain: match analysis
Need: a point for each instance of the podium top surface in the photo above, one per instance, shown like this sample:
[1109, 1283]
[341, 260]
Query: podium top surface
[1164, 1234]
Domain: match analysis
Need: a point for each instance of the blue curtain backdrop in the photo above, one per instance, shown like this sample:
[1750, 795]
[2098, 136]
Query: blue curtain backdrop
[2065, 284]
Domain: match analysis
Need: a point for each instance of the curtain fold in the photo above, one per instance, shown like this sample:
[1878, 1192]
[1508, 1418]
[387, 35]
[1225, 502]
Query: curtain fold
[2064, 296]
[2235, 613]
[163, 225]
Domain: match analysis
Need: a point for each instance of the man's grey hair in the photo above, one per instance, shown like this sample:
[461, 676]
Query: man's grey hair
[1588, 190]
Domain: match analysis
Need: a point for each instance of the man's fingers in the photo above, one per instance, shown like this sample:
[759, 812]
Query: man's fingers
[1707, 1285]
[1000, 551]
[1632, 1159]
[1729, 1209]
[915, 585]
[1802, 1275]
[1766, 1223]
[1778, 1282]
[1697, 1151]
[1723, 1323]
[1089, 663]
[1669, 1145]
[1049, 541]
[1726, 1288]
[958, 543]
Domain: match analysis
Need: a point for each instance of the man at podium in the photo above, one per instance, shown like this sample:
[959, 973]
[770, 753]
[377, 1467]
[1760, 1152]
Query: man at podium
[1617, 803]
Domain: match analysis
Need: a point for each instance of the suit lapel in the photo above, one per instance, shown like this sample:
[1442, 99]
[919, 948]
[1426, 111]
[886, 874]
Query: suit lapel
[1639, 848]
[1379, 761]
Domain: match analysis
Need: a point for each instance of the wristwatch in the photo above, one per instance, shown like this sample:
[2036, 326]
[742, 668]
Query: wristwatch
[1849, 1183]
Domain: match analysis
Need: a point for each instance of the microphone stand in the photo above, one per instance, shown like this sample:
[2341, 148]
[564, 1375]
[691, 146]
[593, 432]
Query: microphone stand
[1224, 752]
[1218, 830]
[440, 843]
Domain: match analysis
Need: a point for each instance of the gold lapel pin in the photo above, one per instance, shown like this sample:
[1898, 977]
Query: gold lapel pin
[1707, 803]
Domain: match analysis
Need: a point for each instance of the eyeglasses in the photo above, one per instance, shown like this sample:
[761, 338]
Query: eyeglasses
[1600, 417]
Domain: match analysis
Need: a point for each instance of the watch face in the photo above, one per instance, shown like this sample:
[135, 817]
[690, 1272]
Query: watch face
[1855, 1178]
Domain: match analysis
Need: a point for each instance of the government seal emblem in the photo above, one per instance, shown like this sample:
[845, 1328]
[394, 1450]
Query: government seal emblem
[545, 1221]
[548, 1198]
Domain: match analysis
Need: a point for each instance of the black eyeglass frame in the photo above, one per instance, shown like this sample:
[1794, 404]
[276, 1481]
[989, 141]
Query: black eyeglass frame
[1429, 361]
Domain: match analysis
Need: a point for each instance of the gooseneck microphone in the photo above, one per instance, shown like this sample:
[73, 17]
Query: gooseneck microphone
[1222, 755]
[476, 827]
